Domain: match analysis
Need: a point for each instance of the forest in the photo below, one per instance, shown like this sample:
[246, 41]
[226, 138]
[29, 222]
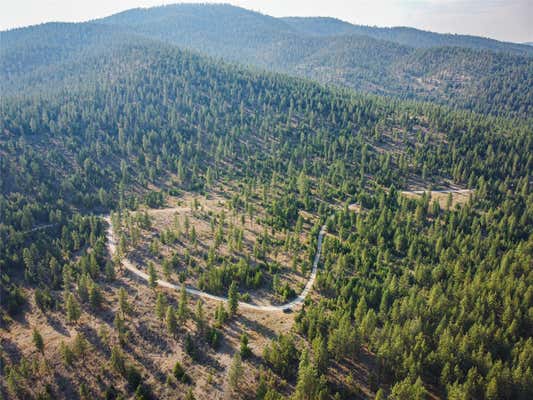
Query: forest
[430, 300]
[467, 72]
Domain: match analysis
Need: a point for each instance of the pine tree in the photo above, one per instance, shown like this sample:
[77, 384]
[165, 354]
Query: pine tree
[110, 271]
[491, 392]
[235, 372]
[95, 297]
[67, 355]
[233, 299]
[221, 315]
[120, 326]
[171, 322]
[179, 373]
[38, 340]
[79, 345]
[308, 384]
[244, 348]
[183, 310]
[160, 306]
[321, 354]
[117, 360]
[123, 303]
[200, 316]
[73, 308]
[152, 275]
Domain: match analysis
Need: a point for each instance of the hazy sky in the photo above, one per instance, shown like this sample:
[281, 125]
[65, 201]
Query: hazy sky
[510, 20]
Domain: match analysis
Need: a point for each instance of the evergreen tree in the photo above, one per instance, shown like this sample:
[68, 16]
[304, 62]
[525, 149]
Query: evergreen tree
[235, 372]
[38, 340]
[73, 308]
[152, 276]
[183, 310]
[123, 304]
[171, 321]
[160, 306]
[233, 299]
[244, 348]
[200, 316]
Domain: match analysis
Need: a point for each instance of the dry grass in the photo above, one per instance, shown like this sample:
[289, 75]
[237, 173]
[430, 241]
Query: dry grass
[149, 347]
[458, 197]
[205, 218]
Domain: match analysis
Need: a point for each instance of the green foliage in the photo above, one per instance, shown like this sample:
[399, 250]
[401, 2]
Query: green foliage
[161, 306]
[72, 308]
[440, 296]
[233, 299]
[408, 390]
[123, 304]
[308, 385]
[117, 360]
[430, 316]
[221, 315]
[235, 372]
[171, 321]
[214, 337]
[191, 348]
[244, 349]
[183, 310]
[152, 275]
[44, 299]
[179, 373]
[282, 355]
[465, 71]
[38, 340]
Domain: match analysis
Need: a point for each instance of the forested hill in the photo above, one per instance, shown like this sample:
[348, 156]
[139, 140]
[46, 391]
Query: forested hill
[422, 297]
[185, 16]
[477, 74]
[402, 35]
[46, 57]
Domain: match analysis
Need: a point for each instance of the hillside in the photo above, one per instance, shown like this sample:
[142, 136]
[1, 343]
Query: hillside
[402, 35]
[476, 74]
[335, 52]
[215, 176]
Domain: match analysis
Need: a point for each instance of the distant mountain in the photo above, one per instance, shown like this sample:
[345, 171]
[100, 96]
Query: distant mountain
[57, 53]
[402, 35]
[479, 74]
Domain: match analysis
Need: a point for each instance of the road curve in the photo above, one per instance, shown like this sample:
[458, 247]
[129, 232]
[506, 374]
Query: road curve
[111, 244]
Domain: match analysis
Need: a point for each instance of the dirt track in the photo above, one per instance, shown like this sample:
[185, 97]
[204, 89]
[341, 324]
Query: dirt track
[111, 243]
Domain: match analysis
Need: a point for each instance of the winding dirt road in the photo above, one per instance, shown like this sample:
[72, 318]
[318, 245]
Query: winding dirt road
[112, 245]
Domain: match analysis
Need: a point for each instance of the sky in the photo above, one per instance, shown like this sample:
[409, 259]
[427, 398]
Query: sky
[509, 20]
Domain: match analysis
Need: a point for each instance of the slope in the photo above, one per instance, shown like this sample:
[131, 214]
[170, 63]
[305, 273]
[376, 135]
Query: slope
[363, 58]
[402, 35]
[325, 50]
[170, 122]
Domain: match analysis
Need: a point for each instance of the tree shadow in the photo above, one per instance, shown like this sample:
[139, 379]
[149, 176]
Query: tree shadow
[57, 324]
[257, 327]
[66, 387]
[11, 349]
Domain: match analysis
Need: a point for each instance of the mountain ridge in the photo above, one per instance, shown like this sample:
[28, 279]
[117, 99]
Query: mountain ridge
[366, 59]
